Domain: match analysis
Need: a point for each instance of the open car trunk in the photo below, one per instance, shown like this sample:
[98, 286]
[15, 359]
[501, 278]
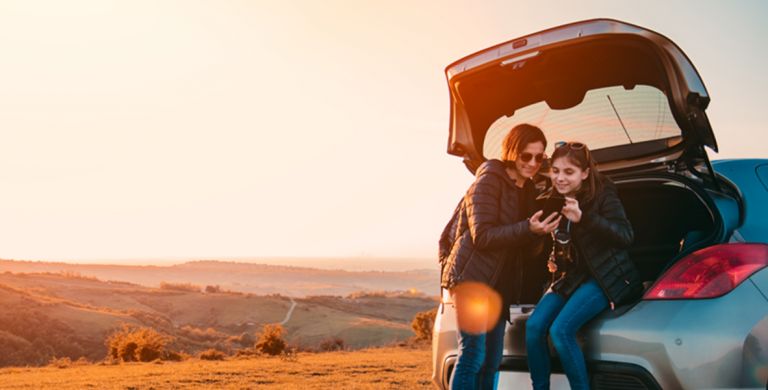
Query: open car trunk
[669, 218]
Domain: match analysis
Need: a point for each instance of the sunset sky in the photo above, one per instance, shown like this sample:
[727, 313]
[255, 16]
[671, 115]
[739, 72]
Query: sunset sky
[150, 129]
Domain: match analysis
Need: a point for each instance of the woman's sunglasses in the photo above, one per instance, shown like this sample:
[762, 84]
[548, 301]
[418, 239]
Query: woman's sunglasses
[525, 157]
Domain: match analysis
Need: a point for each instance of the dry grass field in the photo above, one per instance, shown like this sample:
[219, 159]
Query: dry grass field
[382, 368]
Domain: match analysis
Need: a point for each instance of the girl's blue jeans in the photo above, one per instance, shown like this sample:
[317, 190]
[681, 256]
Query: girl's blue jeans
[562, 318]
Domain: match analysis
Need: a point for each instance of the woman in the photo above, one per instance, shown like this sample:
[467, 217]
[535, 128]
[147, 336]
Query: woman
[593, 268]
[482, 267]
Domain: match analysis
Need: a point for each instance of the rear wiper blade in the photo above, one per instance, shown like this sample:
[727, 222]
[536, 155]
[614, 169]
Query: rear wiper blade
[619, 117]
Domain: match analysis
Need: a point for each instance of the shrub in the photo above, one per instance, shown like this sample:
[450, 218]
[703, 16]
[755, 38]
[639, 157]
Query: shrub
[290, 355]
[175, 356]
[245, 339]
[137, 344]
[423, 323]
[332, 344]
[212, 289]
[271, 340]
[65, 362]
[211, 354]
[187, 287]
[208, 334]
[245, 353]
[60, 362]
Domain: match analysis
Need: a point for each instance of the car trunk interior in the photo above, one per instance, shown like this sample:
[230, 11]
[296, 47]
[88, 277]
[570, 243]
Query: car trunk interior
[668, 220]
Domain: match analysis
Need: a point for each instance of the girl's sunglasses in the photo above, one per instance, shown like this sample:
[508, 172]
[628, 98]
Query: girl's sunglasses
[525, 157]
[570, 145]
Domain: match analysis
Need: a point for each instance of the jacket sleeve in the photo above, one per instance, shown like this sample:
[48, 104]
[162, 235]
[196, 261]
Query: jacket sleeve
[483, 202]
[608, 220]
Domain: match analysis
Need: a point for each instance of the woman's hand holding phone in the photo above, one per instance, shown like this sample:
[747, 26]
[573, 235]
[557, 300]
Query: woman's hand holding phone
[548, 225]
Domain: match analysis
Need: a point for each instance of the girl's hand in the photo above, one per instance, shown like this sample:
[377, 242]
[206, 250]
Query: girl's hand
[571, 210]
[548, 225]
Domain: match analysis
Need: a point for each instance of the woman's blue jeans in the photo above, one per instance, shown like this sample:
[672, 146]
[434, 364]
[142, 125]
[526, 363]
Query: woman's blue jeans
[562, 318]
[479, 358]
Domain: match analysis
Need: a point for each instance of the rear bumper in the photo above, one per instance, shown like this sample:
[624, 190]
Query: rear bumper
[605, 375]
[691, 344]
[712, 343]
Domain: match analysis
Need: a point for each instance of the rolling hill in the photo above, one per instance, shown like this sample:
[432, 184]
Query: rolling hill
[247, 277]
[65, 314]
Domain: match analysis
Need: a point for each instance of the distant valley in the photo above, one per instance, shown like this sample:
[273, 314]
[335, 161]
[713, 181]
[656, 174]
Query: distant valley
[247, 277]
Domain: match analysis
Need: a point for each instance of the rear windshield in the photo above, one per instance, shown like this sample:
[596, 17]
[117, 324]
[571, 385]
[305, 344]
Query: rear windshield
[606, 117]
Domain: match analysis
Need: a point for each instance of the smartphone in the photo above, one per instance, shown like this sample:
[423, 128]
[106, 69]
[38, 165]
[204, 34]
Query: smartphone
[552, 204]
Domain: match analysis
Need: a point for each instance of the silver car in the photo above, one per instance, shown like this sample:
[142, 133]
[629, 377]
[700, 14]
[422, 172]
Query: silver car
[701, 227]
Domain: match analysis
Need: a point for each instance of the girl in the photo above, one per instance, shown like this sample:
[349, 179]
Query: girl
[589, 253]
[482, 268]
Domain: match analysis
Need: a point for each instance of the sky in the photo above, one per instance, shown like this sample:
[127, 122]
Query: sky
[151, 129]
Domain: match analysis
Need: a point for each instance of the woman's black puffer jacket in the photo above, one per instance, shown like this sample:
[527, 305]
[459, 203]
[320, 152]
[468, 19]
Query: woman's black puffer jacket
[601, 240]
[491, 230]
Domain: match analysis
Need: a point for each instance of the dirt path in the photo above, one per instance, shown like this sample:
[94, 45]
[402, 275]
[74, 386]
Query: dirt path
[290, 311]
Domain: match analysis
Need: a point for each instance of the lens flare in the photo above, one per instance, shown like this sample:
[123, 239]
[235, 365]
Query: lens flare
[478, 307]
[760, 375]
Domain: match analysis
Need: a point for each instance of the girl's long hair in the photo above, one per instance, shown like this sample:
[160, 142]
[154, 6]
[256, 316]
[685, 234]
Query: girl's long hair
[579, 155]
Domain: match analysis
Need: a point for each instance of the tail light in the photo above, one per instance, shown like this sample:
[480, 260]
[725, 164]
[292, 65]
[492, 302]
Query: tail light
[710, 272]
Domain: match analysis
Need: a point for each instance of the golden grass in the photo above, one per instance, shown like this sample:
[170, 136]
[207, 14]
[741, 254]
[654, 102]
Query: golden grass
[382, 368]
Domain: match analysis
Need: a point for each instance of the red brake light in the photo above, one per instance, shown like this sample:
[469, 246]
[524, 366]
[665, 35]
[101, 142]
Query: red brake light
[710, 272]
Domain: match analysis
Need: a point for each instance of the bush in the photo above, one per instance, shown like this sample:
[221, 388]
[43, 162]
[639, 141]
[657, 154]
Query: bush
[212, 289]
[271, 340]
[137, 344]
[290, 355]
[211, 354]
[245, 353]
[60, 362]
[187, 287]
[332, 344]
[175, 356]
[245, 339]
[65, 362]
[199, 334]
[423, 323]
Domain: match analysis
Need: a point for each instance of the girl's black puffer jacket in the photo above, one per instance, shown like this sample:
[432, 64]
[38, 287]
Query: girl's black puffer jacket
[601, 240]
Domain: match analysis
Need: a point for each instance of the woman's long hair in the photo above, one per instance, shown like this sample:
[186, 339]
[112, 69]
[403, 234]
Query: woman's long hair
[579, 155]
